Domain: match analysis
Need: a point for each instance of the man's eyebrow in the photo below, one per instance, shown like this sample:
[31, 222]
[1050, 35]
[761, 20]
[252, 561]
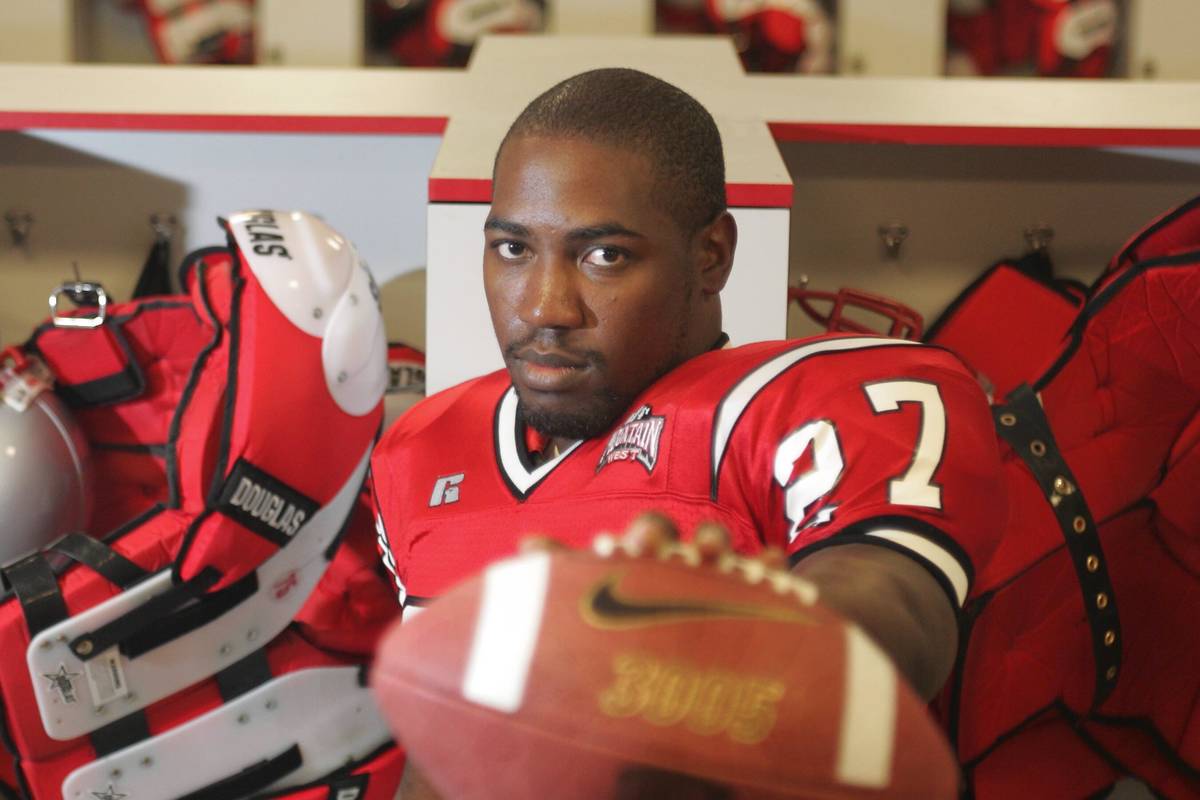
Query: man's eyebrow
[587, 233]
[602, 231]
[506, 226]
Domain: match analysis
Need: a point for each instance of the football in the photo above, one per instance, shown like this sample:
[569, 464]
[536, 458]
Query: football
[574, 674]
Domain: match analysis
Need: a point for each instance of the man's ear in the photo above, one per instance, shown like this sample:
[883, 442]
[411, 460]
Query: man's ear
[716, 243]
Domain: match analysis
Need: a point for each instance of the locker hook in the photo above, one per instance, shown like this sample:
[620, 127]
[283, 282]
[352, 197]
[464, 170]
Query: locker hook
[893, 235]
[1039, 236]
[20, 221]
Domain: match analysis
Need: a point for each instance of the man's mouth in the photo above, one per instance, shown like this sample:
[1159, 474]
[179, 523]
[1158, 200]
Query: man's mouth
[550, 371]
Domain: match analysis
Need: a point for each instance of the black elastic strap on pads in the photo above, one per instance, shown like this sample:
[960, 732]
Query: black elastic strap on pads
[101, 558]
[1022, 423]
[252, 779]
[36, 588]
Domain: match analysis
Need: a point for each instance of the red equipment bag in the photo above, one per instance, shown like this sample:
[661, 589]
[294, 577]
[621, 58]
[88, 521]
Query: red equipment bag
[1009, 321]
[796, 36]
[1078, 658]
[232, 427]
[1054, 38]
[201, 31]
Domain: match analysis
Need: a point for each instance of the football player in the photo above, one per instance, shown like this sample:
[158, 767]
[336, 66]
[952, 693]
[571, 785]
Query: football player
[870, 461]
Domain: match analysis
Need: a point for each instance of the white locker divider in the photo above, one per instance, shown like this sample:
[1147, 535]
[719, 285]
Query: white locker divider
[888, 38]
[309, 33]
[1161, 39]
[42, 32]
[609, 18]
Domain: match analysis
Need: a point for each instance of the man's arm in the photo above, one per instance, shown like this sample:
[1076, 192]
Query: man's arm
[896, 601]
[887, 491]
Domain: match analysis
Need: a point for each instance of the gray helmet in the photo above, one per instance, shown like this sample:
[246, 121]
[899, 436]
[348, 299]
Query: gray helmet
[44, 469]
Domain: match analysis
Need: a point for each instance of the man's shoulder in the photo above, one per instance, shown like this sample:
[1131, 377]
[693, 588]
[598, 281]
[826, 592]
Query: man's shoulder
[460, 408]
[798, 359]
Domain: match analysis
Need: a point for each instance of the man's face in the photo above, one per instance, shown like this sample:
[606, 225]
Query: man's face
[588, 279]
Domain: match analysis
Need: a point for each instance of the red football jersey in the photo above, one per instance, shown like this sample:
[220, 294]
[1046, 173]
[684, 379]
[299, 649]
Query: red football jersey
[799, 444]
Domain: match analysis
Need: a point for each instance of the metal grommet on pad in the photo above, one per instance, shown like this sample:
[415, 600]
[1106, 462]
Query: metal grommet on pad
[1112, 673]
[1037, 447]
[1079, 524]
[1062, 485]
[1110, 638]
[1102, 601]
[1008, 419]
[1092, 563]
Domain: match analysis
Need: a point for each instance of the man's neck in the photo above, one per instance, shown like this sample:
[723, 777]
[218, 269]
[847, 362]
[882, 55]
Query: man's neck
[554, 448]
[542, 448]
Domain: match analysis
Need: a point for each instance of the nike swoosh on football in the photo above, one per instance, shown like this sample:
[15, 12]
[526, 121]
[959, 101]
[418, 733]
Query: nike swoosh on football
[605, 607]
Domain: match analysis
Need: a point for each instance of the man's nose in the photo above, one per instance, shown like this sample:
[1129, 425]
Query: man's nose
[552, 297]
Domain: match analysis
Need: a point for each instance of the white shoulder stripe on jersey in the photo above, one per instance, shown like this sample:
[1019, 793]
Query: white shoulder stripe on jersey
[506, 631]
[935, 554]
[506, 444]
[868, 734]
[734, 404]
[389, 560]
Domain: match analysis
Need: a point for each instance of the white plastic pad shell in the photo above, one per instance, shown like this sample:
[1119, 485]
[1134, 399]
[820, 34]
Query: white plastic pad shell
[354, 351]
[303, 265]
[315, 277]
[324, 711]
[284, 582]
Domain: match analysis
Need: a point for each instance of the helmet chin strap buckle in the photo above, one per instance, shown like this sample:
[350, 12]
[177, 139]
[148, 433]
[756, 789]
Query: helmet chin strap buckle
[22, 378]
[83, 294]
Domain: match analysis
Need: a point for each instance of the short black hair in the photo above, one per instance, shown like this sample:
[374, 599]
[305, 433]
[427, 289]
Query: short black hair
[631, 110]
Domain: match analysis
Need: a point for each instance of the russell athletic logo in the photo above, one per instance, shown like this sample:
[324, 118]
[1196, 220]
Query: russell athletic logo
[445, 490]
[265, 504]
[636, 440]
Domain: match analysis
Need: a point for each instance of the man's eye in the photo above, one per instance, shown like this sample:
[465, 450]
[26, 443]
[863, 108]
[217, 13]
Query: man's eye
[510, 251]
[604, 256]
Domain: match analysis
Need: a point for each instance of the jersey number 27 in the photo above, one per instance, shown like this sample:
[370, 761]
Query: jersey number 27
[915, 487]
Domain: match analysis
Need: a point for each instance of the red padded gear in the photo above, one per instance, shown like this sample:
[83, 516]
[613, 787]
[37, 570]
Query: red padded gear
[1007, 325]
[1122, 397]
[155, 404]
